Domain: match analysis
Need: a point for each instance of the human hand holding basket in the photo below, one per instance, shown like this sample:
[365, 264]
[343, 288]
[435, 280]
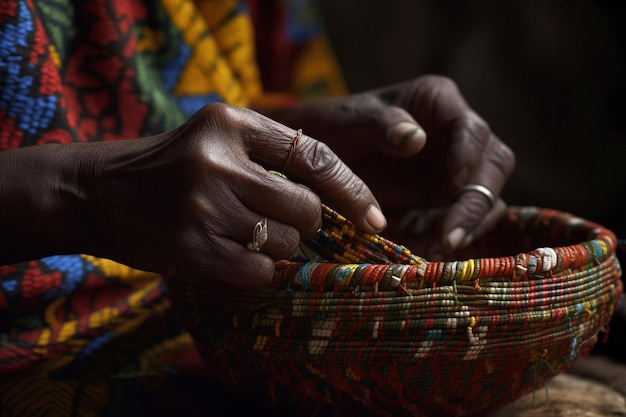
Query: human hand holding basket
[367, 328]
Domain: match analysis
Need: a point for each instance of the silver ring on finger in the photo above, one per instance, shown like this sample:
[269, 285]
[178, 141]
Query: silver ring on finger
[259, 235]
[480, 189]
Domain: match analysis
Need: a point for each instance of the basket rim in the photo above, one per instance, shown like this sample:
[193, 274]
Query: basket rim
[529, 265]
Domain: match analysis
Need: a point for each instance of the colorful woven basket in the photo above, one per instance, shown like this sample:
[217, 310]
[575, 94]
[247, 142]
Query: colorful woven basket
[373, 330]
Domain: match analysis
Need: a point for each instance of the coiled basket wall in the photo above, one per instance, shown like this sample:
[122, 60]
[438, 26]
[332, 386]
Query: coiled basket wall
[369, 329]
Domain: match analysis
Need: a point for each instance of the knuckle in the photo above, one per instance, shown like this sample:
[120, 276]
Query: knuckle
[310, 211]
[214, 107]
[503, 158]
[289, 242]
[192, 135]
[311, 218]
[435, 90]
[471, 142]
[321, 160]
[255, 273]
[217, 111]
[507, 156]
[439, 82]
[478, 130]
[224, 115]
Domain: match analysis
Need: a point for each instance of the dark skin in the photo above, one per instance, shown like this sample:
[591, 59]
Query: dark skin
[184, 203]
[414, 144]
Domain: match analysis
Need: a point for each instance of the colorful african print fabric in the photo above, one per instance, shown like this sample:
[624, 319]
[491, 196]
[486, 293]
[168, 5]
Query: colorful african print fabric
[86, 336]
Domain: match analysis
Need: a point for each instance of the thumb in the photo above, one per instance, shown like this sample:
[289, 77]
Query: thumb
[401, 136]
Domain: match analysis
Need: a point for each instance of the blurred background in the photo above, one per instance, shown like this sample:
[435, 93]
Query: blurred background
[548, 76]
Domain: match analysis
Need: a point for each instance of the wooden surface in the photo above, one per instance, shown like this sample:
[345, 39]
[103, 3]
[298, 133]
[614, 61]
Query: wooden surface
[594, 388]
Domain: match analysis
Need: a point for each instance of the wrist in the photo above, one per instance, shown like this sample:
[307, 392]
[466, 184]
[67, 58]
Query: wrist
[44, 201]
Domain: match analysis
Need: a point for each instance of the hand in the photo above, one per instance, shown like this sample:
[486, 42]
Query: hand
[382, 135]
[185, 203]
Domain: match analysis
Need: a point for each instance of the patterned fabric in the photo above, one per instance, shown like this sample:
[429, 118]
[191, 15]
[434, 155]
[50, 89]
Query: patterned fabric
[87, 336]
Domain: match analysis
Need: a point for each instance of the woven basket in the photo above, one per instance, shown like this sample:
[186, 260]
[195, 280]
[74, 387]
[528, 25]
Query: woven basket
[373, 330]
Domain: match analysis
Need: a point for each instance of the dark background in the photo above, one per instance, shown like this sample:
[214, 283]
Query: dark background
[548, 76]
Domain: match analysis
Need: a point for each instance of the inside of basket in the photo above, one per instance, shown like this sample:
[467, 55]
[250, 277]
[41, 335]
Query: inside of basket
[521, 230]
[525, 229]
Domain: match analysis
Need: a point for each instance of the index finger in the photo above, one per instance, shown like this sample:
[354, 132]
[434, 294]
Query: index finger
[316, 165]
[478, 208]
[312, 163]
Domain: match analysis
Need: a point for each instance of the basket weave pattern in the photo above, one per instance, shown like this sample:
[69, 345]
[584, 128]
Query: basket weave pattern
[371, 329]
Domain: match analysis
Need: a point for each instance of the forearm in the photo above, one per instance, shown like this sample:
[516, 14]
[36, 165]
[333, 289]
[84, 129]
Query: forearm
[42, 203]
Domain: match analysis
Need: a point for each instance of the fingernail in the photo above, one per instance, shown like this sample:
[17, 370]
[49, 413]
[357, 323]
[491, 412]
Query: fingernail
[375, 218]
[455, 237]
[403, 131]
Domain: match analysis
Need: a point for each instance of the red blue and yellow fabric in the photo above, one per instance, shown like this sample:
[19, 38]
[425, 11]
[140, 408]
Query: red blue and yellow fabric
[86, 336]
